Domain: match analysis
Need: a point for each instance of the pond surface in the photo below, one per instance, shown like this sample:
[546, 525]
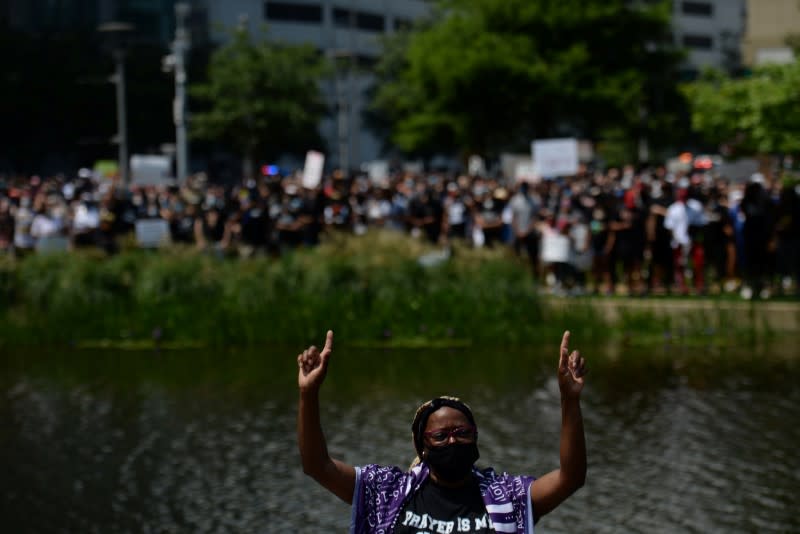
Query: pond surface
[679, 439]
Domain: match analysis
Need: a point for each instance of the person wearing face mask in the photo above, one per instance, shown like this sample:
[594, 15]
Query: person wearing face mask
[443, 491]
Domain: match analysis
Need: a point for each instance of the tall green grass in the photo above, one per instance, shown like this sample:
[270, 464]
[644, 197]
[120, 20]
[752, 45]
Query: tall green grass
[370, 290]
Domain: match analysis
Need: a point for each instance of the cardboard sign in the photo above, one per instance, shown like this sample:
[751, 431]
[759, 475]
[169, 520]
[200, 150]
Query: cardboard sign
[152, 233]
[312, 170]
[378, 170]
[414, 167]
[52, 244]
[555, 247]
[555, 157]
[151, 170]
[476, 166]
[526, 172]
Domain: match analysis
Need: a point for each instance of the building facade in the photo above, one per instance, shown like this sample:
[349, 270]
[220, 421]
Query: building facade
[711, 32]
[769, 24]
[346, 31]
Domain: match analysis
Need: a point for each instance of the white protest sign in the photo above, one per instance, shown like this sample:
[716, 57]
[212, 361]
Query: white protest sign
[555, 247]
[476, 166]
[526, 172]
[413, 167]
[555, 157]
[52, 244]
[152, 233]
[312, 170]
[378, 170]
[151, 170]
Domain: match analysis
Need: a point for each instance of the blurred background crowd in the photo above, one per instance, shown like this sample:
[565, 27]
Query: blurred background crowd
[626, 230]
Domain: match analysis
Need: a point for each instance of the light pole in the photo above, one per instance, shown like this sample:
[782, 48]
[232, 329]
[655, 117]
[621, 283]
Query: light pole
[116, 34]
[179, 48]
[343, 57]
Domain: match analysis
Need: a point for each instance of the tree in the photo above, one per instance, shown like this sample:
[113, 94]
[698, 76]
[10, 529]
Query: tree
[483, 75]
[263, 98]
[758, 114]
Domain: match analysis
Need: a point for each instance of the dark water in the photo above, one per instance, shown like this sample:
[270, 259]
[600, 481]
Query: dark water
[680, 439]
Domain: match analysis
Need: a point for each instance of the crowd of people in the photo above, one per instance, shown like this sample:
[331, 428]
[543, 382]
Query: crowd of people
[621, 230]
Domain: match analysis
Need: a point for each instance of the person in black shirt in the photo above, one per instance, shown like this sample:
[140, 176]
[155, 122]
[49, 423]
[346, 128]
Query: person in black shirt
[209, 229]
[658, 238]
[312, 215]
[787, 228]
[452, 494]
[756, 234]
[255, 226]
[6, 226]
[718, 238]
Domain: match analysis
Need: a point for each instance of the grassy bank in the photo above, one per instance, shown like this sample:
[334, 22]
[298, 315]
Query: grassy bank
[371, 290]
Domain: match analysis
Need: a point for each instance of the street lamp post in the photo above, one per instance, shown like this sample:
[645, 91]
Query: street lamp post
[179, 49]
[116, 34]
[343, 57]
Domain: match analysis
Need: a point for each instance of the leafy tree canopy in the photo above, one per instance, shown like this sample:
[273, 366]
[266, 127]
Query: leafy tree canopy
[758, 114]
[483, 75]
[263, 98]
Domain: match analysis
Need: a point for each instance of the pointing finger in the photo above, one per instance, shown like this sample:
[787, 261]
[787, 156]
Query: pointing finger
[328, 342]
[564, 349]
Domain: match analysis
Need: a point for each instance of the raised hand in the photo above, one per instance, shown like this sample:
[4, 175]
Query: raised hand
[571, 370]
[313, 365]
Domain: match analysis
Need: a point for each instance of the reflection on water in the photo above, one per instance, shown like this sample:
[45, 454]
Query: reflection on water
[679, 440]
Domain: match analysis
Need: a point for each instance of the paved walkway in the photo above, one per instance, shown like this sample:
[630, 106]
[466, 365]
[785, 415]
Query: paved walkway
[780, 316]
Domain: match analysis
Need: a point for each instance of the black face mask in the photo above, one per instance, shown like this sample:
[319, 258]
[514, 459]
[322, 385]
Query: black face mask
[453, 462]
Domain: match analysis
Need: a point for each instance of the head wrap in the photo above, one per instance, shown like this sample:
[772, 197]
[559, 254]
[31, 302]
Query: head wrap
[427, 408]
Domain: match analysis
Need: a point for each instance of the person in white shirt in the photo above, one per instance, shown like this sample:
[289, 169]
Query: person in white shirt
[86, 222]
[682, 214]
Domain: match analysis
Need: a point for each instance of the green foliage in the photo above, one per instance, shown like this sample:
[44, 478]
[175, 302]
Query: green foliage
[758, 114]
[371, 290]
[483, 74]
[261, 96]
[616, 148]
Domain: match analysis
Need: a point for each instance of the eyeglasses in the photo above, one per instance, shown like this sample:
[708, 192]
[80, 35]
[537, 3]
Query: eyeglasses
[462, 434]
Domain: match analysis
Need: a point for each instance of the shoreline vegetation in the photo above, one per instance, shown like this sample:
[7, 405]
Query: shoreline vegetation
[372, 290]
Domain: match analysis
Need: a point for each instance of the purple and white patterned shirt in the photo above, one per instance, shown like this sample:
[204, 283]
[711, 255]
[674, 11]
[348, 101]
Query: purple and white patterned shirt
[381, 492]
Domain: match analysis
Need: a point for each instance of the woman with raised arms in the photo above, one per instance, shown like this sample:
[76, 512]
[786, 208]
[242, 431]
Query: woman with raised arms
[443, 492]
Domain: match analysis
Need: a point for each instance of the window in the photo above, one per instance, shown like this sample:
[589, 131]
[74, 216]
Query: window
[701, 9]
[341, 17]
[345, 18]
[370, 22]
[365, 62]
[282, 11]
[700, 42]
[402, 24]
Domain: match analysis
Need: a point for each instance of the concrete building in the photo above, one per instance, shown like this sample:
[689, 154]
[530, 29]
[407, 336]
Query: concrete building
[769, 23]
[348, 32]
[711, 32]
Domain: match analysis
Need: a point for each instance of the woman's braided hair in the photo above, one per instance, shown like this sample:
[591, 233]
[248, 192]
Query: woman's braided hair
[421, 419]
